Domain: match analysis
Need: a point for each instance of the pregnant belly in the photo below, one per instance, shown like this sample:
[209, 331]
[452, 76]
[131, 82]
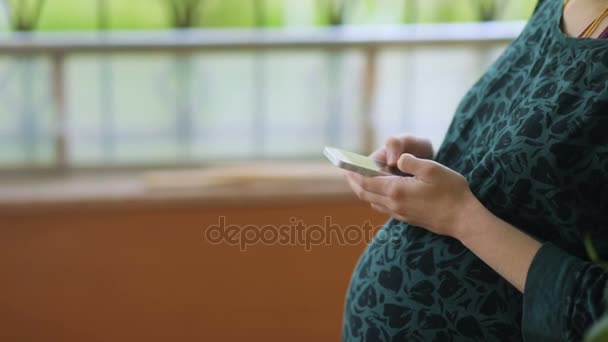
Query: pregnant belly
[412, 285]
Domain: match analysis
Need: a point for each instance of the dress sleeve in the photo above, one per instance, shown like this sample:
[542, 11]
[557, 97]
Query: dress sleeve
[563, 296]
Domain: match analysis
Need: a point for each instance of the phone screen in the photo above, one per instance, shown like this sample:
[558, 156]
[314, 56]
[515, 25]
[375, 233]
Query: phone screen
[363, 161]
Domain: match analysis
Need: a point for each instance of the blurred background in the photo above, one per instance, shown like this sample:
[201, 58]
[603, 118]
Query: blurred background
[129, 127]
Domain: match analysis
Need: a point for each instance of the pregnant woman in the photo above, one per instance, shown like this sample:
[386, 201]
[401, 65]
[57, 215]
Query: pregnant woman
[486, 241]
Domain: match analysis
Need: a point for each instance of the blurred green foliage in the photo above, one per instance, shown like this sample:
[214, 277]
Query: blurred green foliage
[25, 14]
[70, 15]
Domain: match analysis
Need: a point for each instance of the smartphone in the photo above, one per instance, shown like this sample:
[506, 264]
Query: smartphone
[363, 165]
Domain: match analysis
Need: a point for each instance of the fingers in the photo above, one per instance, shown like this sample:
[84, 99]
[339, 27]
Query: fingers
[383, 186]
[421, 168]
[393, 150]
[368, 189]
[380, 155]
[387, 202]
[395, 146]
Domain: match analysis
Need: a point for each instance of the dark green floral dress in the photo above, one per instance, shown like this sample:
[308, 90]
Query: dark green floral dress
[531, 138]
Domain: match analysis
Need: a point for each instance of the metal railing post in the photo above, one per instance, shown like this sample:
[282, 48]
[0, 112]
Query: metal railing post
[28, 121]
[59, 93]
[368, 133]
[260, 85]
[335, 107]
[184, 115]
[260, 91]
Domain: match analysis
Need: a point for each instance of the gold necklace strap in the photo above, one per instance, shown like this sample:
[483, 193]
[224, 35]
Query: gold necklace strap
[595, 24]
[588, 32]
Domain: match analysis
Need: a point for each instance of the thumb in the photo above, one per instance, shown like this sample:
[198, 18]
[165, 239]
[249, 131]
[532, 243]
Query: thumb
[418, 167]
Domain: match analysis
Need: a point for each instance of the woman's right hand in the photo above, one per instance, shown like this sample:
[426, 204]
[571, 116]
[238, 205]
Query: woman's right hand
[397, 145]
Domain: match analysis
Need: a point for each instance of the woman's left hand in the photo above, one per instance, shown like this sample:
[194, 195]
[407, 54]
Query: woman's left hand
[436, 198]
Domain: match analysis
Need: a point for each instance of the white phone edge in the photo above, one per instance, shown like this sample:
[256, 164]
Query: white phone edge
[337, 160]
